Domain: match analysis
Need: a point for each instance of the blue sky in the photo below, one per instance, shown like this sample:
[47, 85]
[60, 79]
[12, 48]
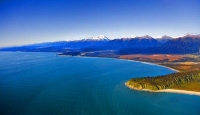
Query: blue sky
[33, 21]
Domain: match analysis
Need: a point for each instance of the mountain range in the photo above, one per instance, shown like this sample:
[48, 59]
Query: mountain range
[137, 45]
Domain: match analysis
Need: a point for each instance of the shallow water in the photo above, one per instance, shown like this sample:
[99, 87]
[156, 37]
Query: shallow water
[43, 83]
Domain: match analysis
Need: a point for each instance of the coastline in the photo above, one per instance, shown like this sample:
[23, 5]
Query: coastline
[149, 63]
[167, 91]
[169, 68]
[156, 91]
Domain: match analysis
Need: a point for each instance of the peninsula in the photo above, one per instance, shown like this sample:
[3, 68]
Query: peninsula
[185, 81]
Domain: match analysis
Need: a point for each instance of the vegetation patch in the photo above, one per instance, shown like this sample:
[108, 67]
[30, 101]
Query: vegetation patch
[189, 80]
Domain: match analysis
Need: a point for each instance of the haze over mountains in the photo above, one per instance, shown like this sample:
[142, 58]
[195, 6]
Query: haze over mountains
[137, 45]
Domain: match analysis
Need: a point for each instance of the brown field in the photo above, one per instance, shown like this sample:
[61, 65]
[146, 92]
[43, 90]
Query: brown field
[183, 67]
[158, 57]
[178, 62]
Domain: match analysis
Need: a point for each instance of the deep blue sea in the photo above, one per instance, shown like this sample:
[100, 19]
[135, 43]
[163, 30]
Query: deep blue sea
[46, 84]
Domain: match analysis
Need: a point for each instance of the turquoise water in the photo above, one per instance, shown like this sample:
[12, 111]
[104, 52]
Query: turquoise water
[46, 84]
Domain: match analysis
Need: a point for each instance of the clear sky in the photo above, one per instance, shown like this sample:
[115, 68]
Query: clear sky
[33, 21]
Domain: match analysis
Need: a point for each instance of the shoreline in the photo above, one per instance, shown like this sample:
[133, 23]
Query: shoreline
[149, 63]
[166, 91]
[148, 90]
[169, 68]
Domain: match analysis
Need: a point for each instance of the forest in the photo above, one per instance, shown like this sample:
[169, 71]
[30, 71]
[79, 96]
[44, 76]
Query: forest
[189, 80]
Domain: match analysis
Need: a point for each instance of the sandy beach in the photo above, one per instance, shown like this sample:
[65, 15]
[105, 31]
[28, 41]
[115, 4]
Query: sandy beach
[180, 91]
[167, 90]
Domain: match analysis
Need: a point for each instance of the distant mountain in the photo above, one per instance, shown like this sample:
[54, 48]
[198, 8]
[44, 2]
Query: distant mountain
[97, 38]
[137, 42]
[192, 36]
[145, 37]
[93, 42]
[185, 44]
[137, 45]
[182, 45]
[164, 39]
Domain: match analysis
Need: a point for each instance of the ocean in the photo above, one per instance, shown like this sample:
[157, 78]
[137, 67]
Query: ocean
[46, 84]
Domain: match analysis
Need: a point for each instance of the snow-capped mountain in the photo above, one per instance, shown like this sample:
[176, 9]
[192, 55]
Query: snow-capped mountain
[97, 38]
[131, 36]
[145, 37]
[164, 39]
[136, 42]
[144, 44]
[192, 36]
